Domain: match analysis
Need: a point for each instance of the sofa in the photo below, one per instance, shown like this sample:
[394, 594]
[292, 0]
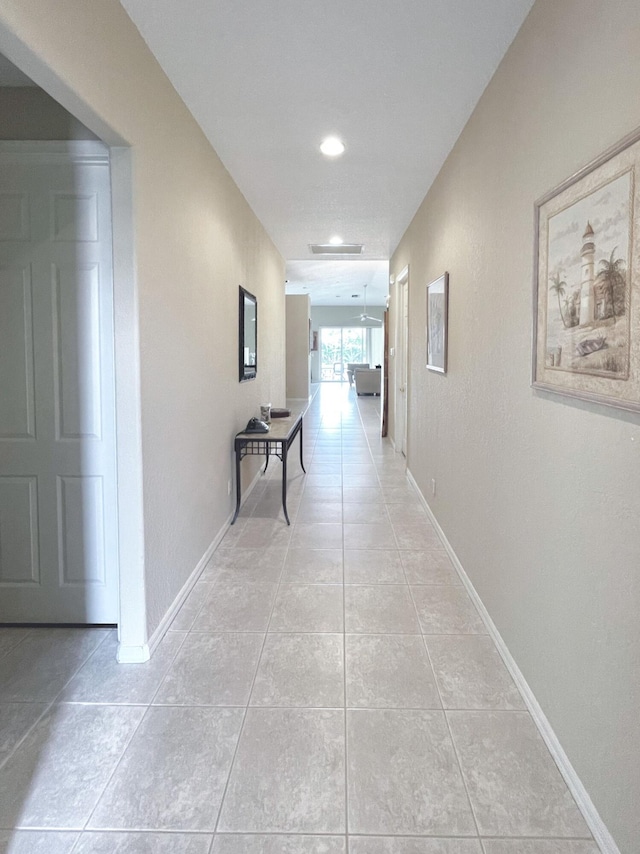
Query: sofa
[368, 380]
[352, 367]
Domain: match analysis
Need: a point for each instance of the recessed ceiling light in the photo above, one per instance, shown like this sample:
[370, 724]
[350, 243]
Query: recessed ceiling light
[332, 146]
[336, 241]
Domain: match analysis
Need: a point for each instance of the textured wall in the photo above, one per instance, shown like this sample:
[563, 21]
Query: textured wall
[29, 113]
[298, 308]
[538, 495]
[195, 240]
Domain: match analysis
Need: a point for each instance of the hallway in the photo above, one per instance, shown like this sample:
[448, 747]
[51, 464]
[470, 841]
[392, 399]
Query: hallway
[323, 679]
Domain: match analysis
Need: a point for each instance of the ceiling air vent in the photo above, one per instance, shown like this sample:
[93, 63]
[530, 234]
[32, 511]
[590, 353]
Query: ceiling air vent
[330, 249]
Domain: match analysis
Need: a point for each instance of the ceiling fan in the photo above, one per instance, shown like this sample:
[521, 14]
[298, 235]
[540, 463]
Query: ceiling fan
[364, 316]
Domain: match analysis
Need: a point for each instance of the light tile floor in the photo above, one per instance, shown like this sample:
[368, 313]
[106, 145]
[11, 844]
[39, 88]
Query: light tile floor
[326, 688]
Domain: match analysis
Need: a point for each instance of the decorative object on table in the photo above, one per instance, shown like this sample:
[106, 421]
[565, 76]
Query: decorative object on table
[254, 425]
[265, 412]
[248, 335]
[586, 327]
[280, 412]
[437, 322]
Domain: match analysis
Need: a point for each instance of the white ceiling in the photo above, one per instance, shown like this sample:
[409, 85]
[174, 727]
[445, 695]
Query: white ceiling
[339, 282]
[267, 81]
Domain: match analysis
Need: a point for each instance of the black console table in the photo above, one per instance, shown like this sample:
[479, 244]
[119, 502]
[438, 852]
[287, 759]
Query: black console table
[277, 443]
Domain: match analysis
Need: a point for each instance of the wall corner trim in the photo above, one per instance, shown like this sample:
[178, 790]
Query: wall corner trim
[133, 654]
[600, 832]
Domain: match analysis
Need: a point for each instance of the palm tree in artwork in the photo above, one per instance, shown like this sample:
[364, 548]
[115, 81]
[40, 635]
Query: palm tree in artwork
[613, 276]
[569, 310]
[557, 287]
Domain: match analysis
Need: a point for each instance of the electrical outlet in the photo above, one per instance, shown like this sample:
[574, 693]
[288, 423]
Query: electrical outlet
[229, 485]
[433, 486]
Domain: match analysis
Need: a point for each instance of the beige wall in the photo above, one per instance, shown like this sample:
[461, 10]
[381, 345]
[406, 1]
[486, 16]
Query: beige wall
[298, 307]
[29, 113]
[539, 495]
[195, 241]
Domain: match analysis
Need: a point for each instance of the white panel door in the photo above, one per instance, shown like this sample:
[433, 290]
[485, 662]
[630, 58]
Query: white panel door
[58, 550]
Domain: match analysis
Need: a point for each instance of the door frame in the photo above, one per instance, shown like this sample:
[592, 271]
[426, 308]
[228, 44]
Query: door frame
[402, 361]
[384, 415]
[133, 645]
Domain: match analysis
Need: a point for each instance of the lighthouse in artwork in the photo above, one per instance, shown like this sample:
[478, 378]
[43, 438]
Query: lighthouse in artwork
[588, 254]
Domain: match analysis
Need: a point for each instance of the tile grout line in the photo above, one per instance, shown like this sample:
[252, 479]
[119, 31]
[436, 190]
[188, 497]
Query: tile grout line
[115, 767]
[453, 744]
[456, 709]
[344, 660]
[21, 741]
[297, 833]
[53, 701]
[170, 665]
[29, 631]
[246, 708]
[129, 740]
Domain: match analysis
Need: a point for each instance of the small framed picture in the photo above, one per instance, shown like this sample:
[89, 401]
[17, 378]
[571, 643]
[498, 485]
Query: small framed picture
[437, 311]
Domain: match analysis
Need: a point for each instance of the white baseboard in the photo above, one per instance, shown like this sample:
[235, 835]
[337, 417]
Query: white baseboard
[140, 654]
[187, 587]
[586, 806]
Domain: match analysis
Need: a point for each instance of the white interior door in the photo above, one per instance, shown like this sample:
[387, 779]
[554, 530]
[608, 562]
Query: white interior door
[402, 361]
[58, 550]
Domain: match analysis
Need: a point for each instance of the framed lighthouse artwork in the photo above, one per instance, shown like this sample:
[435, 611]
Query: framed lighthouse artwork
[586, 333]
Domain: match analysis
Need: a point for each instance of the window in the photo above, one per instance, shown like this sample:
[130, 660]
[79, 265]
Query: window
[341, 345]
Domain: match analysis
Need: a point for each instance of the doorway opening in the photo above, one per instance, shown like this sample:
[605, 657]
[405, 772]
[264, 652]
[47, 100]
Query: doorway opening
[58, 561]
[133, 645]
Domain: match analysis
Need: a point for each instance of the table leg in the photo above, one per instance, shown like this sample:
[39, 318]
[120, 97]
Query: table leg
[264, 470]
[284, 481]
[301, 461]
[238, 488]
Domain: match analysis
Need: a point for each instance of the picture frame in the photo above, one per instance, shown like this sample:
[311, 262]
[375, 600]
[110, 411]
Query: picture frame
[437, 323]
[586, 285]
